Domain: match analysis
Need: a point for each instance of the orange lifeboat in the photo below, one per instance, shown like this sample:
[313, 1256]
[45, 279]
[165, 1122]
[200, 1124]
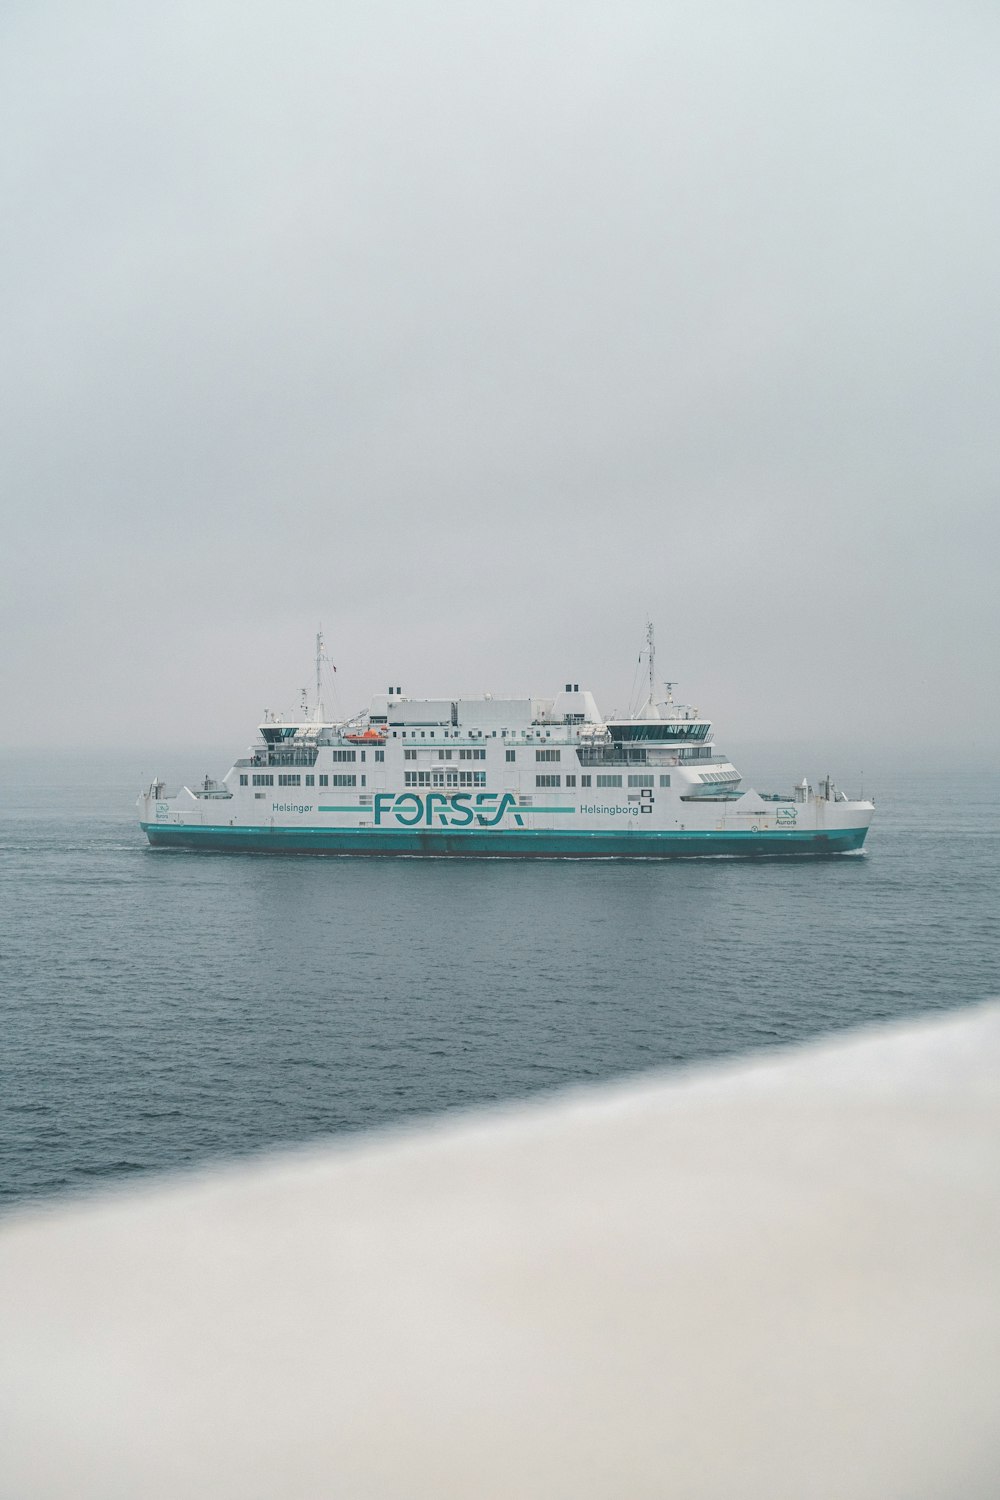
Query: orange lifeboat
[368, 737]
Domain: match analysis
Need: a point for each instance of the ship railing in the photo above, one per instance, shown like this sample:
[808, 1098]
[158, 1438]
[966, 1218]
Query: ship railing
[804, 1138]
[613, 755]
[636, 755]
[270, 758]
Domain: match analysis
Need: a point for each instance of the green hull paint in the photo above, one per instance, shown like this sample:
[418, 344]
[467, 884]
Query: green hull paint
[504, 844]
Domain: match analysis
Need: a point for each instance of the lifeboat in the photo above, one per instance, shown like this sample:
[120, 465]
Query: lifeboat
[367, 737]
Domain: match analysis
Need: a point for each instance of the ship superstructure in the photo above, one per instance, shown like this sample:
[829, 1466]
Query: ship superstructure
[492, 776]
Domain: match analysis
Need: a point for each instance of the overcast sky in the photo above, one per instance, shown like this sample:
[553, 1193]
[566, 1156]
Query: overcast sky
[477, 332]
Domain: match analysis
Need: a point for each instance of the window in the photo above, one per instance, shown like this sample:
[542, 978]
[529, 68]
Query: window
[344, 780]
[289, 780]
[324, 781]
[660, 732]
[379, 755]
[472, 778]
[444, 778]
[445, 754]
[263, 781]
[362, 755]
[472, 755]
[548, 780]
[409, 755]
[342, 755]
[416, 778]
[584, 780]
[260, 794]
[664, 780]
[571, 781]
[641, 781]
[310, 781]
[244, 781]
[609, 781]
[364, 779]
[510, 755]
[548, 755]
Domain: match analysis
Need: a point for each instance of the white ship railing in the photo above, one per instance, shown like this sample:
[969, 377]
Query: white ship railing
[770, 1278]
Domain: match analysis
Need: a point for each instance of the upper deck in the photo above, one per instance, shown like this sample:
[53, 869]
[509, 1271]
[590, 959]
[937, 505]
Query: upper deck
[665, 734]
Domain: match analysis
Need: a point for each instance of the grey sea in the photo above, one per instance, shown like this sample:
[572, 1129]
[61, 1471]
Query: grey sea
[162, 1009]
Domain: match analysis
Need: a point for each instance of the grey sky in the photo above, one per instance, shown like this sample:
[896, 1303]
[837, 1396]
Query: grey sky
[477, 332]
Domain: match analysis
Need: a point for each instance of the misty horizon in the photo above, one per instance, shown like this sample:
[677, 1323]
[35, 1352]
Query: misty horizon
[480, 337]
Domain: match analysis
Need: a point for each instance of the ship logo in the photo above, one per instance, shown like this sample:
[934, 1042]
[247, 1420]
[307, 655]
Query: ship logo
[464, 810]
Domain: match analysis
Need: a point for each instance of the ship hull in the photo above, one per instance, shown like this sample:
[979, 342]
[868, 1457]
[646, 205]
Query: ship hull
[508, 844]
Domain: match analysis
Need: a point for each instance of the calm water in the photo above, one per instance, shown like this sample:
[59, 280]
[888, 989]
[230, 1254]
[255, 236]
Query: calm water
[165, 1008]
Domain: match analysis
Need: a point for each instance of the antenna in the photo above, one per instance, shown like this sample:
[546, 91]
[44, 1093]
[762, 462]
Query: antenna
[319, 713]
[319, 672]
[652, 662]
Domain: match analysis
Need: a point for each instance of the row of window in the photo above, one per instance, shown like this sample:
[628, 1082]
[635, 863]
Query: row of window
[289, 780]
[587, 755]
[352, 755]
[660, 731]
[632, 781]
[528, 734]
[447, 754]
[448, 778]
[605, 781]
[444, 778]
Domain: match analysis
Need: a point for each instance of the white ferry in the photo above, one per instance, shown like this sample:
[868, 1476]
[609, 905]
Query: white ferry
[488, 776]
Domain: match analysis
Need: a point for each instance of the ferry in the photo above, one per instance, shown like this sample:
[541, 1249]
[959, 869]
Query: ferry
[485, 776]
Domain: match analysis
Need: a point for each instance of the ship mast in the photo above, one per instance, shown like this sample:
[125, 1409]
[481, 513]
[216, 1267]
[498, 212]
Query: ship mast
[319, 712]
[651, 653]
[318, 715]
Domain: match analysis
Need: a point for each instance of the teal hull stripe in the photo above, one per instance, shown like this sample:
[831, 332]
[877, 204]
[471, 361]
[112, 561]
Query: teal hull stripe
[575, 843]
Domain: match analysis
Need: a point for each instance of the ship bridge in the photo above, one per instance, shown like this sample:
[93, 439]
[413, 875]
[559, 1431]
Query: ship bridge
[658, 731]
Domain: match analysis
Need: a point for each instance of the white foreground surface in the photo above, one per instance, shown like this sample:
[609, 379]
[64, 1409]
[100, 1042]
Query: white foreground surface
[774, 1279]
